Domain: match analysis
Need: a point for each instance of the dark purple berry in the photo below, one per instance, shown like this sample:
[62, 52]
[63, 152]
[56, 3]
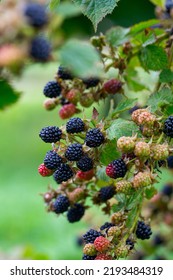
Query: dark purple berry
[52, 160]
[94, 138]
[61, 204]
[50, 134]
[63, 173]
[75, 125]
[85, 163]
[75, 213]
[74, 152]
[52, 89]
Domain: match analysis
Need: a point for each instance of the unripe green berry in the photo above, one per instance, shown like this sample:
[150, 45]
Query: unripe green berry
[142, 179]
[146, 118]
[126, 144]
[89, 249]
[114, 231]
[159, 152]
[123, 186]
[121, 251]
[142, 149]
[86, 100]
[117, 217]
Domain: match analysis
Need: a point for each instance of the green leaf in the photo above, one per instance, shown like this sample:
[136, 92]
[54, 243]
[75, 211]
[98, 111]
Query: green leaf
[81, 58]
[160, 99]
[67, 10]
[134, 199]
[166, 76]
[96, 10]
[101, 174]
[109, 153]
[124, 106]
[150, 192]
[53, 4]
[143, 25]
[117, 36]
[153, 58]
[121, 127]
[131, 217]
[8, 94]
[160, 3]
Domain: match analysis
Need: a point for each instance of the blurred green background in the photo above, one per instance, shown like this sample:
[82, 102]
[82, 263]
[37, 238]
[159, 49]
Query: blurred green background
[26, 230]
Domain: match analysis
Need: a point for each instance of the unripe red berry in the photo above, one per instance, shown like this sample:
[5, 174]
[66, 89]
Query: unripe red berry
[85, 176]
[73, 96]
[67, 111]
[113, 86]
[49, 104]
[103, 256]
[44, 171]
[101, 244]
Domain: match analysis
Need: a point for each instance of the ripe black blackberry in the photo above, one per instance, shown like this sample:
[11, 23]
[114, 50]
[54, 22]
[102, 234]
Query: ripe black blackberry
[74, 152]
[88, 258]
[170, 162]
[91, 235]
[61, 204]
[106, 226]
[143, 231]
[64, 73]
[116, 169]
[50, 134]
[75, 213]
[40, 49]
[106, 193]
[167, 189]
[168, 127]
[85, 163]
[63, 173]
[91, 82]
[36, 14]
[52, 160]
[75, 125]
[130, 243]
[94, 138]
[52, 89]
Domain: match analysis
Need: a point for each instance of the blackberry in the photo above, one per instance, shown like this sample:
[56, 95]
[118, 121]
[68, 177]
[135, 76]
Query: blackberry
[106, 193]
[170, 162]
[168, 127]
[75, 213]
[40, 49]
[64, 73]
[52, 89]
[130, 243]
[36, 14]
[85, 163]
[52, 160]
[91, 235]
[91, 82]
[75, 125]
[116, 169]
[74, 152]
[143, 231]
[167, 190]
[63, 173]
[106, 226]
[64, 101]
[88, 258]
[50, 134]
[94, 138]
[61, 204]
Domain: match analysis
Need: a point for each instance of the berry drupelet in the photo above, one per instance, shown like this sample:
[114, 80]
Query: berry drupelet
[94, 138]
[61, 204]
[143, 231]
[106, 193]
[85, 163]
[52, 89]
[75, 213]
[168, 127]
[36, 14]
[52, 160]
[74, 152]
[75, 125]
[91, 235]
[40, 49]
[64, 73]
[50, 134]
[63, 173]
[116, 169]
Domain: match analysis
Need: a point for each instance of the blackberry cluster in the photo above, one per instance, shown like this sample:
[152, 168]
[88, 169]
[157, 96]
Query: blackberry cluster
[36, 14]
[63, 173]
[168, 127]
[40, 49]
[50, 134]
[91, 235]
[85, 164]
[75, 125]
[74, 152]
[106, 193]
[94, 138]
[61, 204]
[75, 213]
[64, 73]
[116, 169]
[52, 160]
[52, 89]
[143, 231]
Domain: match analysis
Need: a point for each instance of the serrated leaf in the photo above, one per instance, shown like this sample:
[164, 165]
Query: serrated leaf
[150, 192]
[143, 25]
[109, 153]
[117, 36]
[8, 94]
[166, 76]
[121, 127]
[153, 58]
[53, 4]
[160, 3]
[124, 106]
[96, 10]
[101, 174]
[160, 99]
[81, 58]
